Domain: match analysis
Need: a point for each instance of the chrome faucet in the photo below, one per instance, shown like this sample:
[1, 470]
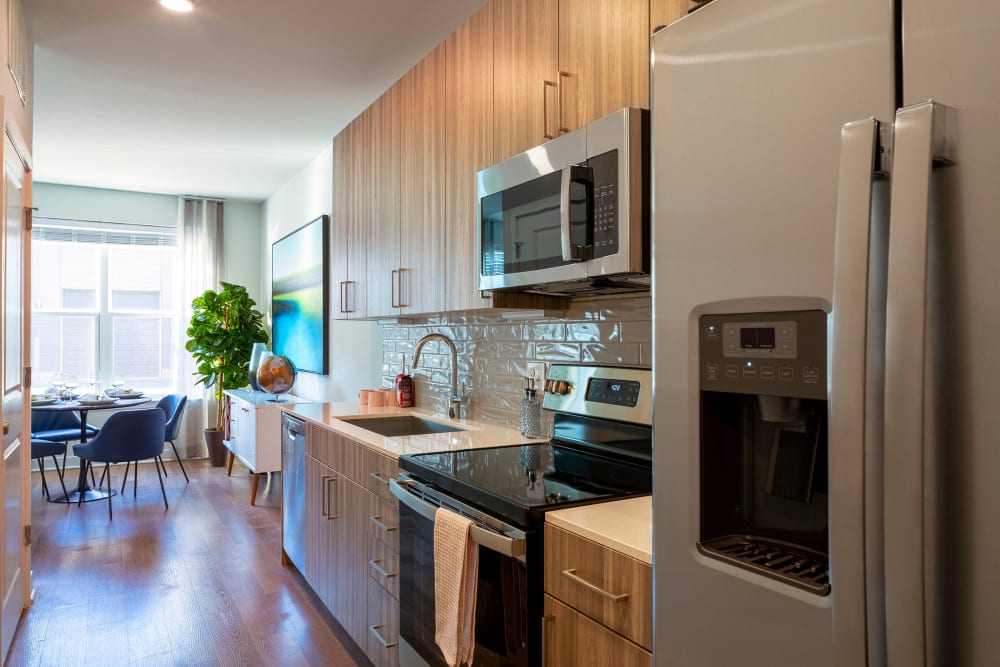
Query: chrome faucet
[455, 411]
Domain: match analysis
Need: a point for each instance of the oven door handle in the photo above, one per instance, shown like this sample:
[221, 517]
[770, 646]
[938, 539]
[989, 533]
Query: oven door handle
[503, 545]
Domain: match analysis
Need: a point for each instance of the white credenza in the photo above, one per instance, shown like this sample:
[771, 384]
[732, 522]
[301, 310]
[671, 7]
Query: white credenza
[255, 433]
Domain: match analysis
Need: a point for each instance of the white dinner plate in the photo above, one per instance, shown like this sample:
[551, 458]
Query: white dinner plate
[129, 396]
[94, 402]
[43, 401]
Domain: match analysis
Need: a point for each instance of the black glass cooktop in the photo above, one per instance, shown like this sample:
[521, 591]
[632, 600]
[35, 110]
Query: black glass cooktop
[519, 482]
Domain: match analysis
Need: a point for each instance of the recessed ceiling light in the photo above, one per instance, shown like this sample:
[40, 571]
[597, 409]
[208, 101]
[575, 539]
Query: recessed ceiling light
[178, 5]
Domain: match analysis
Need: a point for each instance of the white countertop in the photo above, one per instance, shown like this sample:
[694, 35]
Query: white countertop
[474, 436]
[623, 525]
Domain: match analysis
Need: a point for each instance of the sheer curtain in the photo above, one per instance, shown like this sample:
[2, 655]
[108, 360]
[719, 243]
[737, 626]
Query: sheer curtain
[199, 240]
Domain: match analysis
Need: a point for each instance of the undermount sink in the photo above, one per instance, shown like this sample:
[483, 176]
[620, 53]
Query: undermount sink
[401, 425]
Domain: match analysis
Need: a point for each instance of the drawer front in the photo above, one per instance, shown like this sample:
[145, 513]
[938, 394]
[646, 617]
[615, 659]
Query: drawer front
[379, 469]
[383, 522]
[610, 587]
[319, 444]
[383, 627]
[570, 638]
[348, 457]
[383, 565]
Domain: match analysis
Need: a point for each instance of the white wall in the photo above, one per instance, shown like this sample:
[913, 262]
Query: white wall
[243, 238]
[355, 347]
[70, 202]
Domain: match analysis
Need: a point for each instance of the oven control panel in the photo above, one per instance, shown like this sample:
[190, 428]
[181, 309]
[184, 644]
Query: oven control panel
[622, 393]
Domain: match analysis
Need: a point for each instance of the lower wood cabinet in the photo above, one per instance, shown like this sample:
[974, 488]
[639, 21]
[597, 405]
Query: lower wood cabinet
[352, 540]
[571, 639]
[383, 627]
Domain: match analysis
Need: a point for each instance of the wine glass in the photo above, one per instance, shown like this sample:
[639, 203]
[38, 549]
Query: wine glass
[71, 384]
[59, 381]
[95, 384]
[118, 382]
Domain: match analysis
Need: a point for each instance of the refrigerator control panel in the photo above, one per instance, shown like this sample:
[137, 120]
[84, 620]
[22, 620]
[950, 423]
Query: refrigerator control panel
[772, 354]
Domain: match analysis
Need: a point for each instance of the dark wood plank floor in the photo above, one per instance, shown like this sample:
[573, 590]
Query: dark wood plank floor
[198, 584]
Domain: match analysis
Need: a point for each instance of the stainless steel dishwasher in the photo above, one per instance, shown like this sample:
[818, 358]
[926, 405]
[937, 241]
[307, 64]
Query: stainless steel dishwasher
[293, 490]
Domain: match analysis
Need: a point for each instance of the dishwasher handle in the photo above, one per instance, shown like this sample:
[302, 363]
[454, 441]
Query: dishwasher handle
[506, 546]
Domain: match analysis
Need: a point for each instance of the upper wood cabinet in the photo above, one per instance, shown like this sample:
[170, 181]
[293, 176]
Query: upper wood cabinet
[420, 281]
[470, 147]
[603, 59]
[383, 251]
[525, 73]
[665, 12]
[349, 220]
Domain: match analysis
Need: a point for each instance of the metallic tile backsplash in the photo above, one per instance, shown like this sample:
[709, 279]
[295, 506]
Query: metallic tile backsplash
[494, 353]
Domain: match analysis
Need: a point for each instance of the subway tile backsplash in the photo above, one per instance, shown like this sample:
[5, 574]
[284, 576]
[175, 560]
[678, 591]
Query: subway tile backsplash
[494, 353]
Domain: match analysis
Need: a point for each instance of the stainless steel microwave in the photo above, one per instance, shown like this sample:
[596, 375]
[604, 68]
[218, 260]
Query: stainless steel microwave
[571, 215]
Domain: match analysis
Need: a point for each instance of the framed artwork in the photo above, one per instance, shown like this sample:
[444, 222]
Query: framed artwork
[300, 299]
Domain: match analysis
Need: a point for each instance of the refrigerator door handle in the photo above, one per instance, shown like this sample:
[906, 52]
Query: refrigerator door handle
[921, 143]
[860, 167]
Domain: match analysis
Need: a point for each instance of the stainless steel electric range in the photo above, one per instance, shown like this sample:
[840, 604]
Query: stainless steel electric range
[601, 450]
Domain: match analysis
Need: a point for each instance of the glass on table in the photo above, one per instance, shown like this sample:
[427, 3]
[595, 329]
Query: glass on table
[118, 382]
[95, 384]
[59, 382]
[71, 384]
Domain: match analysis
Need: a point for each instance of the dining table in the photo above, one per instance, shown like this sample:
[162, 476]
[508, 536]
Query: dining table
[84, 492]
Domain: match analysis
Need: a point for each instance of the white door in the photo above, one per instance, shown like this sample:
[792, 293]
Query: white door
[16, 440]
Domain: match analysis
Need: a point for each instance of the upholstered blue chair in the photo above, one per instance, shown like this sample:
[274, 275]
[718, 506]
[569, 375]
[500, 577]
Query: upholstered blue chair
[43, 448]
[173, 407]
[57, 426]
[130, 435]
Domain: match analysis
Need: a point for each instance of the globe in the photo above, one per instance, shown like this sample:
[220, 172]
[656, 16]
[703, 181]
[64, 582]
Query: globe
[276, 374]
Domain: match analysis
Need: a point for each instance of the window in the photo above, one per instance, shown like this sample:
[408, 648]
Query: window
[103, 301]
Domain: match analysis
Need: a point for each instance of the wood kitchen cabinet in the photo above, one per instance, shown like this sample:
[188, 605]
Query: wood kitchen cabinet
[470, 147]
[384, 231]
[349, 218]
[665, 12]
[598, 603]
[352, 541]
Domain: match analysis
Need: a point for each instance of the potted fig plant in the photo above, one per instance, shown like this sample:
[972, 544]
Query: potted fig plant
[224, 327]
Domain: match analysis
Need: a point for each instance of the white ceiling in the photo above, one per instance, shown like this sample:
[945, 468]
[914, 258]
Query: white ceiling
[230, 100]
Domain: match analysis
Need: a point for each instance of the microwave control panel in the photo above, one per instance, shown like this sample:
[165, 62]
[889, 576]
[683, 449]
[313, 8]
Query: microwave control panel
[771, 354]
[605, 170]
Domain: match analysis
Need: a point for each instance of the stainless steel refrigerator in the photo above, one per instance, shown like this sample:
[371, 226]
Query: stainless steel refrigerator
[826, 314]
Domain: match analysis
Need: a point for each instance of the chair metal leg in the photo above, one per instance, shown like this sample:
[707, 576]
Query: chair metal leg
[125, 478]
[41, 470]
[107, 471]
[135, 479]
[163, 465]
[162, 489]
[179, 462]
[62, 481]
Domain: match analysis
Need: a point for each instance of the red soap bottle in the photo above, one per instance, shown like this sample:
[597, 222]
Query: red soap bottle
[405, 390]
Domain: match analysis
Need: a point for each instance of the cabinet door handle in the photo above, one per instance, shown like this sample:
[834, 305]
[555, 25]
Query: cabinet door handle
[562, 119]
[381, 570]
[545, 107]
[379, 478]
[374, 629]
[324, 503]
[399, 280]
[382, 526]
[392, 288]
[330, 516]
[343, 297]
[614, 597]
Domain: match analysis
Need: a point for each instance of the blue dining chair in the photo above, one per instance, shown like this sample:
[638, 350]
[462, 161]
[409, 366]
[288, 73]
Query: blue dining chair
[173, 407]
[43, 448]
[61, 426]
[130, 435]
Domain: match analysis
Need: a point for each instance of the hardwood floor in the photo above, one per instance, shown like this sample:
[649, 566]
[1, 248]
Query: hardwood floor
[198, 584]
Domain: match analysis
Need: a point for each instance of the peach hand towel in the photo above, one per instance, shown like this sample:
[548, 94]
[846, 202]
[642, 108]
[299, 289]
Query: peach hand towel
[456, 571]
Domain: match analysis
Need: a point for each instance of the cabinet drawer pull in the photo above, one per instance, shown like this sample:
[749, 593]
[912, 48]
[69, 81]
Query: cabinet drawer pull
[379, 478]
[330, 516]
[374, 629]
[381, 570]
[375, 520]
[545, 638]
[545, 108]
[324, 502]
[572, 576]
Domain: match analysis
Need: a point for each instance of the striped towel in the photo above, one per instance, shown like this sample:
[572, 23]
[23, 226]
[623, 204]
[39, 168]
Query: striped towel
[456, 571]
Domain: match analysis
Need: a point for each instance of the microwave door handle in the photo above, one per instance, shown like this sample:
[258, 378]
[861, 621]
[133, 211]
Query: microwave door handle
[574, 173]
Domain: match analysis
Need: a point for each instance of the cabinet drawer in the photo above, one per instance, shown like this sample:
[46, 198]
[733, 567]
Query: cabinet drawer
[383, 627]
[610, 587]
[383, 522]
[570, 638]
[383, 565]
[379, 469]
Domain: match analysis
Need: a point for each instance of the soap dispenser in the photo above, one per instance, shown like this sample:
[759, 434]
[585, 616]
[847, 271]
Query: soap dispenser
[531, 409]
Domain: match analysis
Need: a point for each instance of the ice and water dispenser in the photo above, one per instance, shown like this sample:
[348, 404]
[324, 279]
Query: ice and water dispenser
[764, 444]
